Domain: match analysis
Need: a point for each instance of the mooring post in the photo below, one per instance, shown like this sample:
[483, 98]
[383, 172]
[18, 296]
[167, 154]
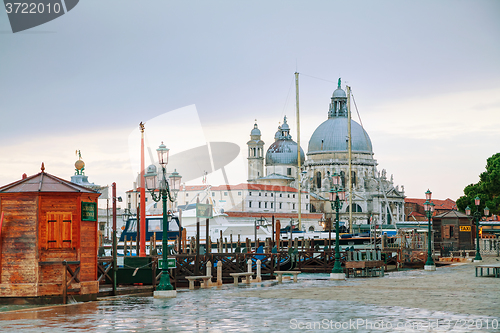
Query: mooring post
[219, 273]
[209, 272]
[258, 279]
[249, 266]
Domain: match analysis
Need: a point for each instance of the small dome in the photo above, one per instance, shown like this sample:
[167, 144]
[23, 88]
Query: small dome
[283, 152]
[339, 93]
[255, 130]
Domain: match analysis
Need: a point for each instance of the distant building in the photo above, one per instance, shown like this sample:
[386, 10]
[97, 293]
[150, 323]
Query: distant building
[414, 208]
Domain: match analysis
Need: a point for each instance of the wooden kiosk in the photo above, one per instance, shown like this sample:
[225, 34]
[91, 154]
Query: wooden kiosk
[48, 240]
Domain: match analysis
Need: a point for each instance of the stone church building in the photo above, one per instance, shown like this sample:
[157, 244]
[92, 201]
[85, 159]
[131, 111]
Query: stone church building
[375, 198]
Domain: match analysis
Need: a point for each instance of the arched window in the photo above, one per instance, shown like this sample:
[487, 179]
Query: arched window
[342, 178]
[318, 179]
[355, 208]
[311, 228]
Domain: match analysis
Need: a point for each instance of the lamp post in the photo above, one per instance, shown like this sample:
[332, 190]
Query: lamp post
[477, 216]
[429, 210]
[337, 195]
[166, 189]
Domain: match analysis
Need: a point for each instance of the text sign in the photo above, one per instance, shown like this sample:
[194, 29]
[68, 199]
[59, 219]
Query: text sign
[89, 211]
[171, 263]
[204, 211]
[465, 228]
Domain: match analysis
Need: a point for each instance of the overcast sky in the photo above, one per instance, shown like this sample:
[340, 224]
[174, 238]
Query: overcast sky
[425, 76]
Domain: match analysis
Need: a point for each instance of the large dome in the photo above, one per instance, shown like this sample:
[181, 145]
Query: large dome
[331, 136]
[283, 152]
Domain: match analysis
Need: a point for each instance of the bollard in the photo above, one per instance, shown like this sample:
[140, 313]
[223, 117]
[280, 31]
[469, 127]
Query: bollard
[249, 265]
[209, 272]
[219, 273]
[258, 278]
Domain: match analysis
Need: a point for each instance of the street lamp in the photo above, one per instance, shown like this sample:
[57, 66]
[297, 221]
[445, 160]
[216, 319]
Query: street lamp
[477, 216]
[429, 210]
[337, 195]
[166, 189]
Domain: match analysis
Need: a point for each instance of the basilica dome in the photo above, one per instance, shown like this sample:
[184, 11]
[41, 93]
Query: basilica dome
[331, 136]
[283, 150]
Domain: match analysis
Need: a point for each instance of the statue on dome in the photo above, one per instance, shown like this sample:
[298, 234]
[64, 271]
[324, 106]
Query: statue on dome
[339, 83]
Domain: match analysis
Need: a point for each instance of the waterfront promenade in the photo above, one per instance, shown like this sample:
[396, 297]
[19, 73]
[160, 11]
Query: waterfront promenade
[452, 289]
[450, 299]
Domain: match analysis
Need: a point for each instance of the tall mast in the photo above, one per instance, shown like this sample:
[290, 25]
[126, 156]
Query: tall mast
[349, 147]
[298, 148]
[142, 240]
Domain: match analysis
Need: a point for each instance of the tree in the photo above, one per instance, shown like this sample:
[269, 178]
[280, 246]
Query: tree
[487, 189]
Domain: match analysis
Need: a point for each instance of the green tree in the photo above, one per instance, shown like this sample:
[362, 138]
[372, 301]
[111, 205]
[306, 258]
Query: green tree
[487, 189]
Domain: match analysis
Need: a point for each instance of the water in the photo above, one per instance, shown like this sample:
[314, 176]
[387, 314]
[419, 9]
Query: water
[223, 310]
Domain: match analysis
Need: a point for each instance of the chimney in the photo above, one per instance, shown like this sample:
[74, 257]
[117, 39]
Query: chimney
[24, 176]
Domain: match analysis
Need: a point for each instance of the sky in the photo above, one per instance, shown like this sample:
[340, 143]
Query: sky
[425, 77]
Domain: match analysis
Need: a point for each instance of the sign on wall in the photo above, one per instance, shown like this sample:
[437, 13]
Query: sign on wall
[89, 211]
[465, 228]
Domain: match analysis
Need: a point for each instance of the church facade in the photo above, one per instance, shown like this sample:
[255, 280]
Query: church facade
[375, 197]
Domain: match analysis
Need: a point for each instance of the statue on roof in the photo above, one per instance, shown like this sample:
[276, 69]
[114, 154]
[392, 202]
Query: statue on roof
[79, 165]
[339, 83]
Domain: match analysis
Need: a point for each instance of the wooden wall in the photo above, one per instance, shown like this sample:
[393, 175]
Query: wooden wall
[18, 244]
[45, 227]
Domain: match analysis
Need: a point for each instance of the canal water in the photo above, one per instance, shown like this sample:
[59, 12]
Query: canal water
[222, 310]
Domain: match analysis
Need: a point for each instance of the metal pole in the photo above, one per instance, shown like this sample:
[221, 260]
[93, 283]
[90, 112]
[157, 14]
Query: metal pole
[430, 261]
[336, 267]
[142, 242]
[350, 155]
[478, 254]
[298, 148]
[165, 278]
[115, 268]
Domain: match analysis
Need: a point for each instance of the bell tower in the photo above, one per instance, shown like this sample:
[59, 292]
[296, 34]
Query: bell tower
[255, 155]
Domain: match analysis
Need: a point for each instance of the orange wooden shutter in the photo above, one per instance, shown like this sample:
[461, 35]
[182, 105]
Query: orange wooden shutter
[53, 232]
[66, 230]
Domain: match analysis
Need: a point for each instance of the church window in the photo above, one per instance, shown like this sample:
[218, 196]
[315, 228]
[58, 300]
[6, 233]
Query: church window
[293, 206]
[289, 195]
[281, 205]
[311, 228]
[318, 179]
[271, 194]
[355, 208]
[260, 194]
[289, 171]
[293, 196]
[342, 178]
[260, 204]
[265, 204]
[249, 204]
[271, 205]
